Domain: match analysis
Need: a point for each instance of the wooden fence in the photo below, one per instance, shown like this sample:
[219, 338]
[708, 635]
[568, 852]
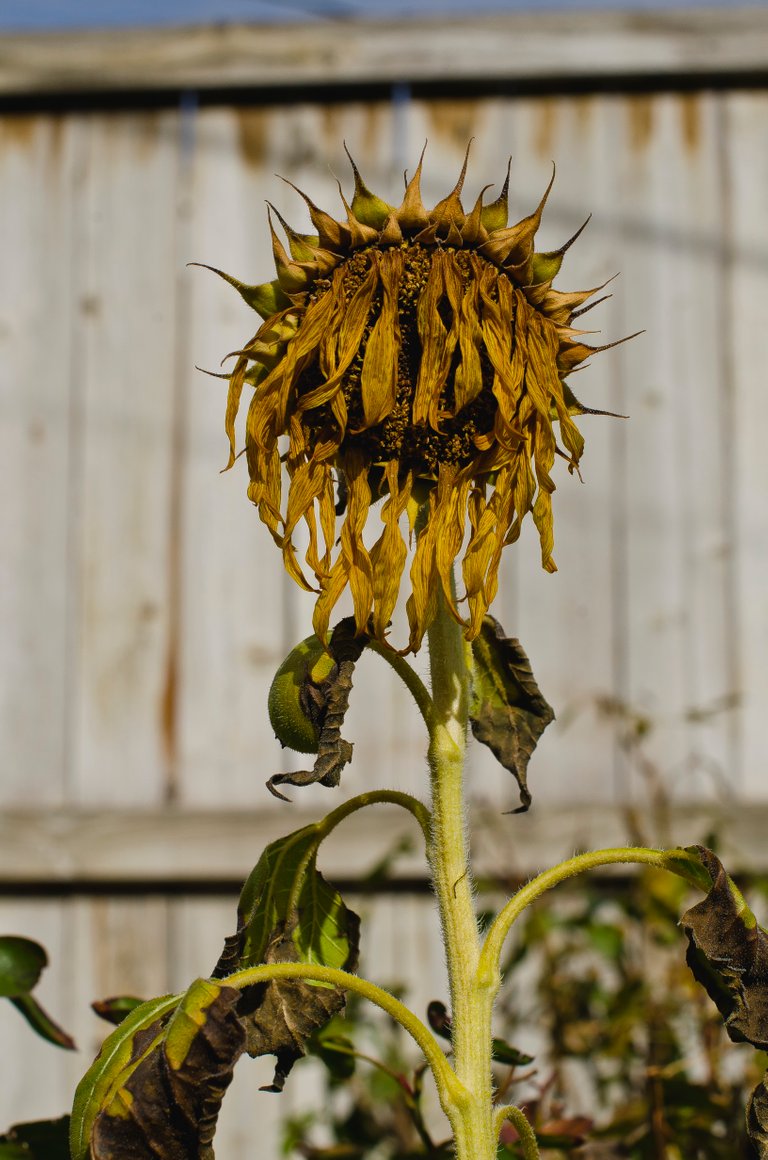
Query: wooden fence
[144, 608]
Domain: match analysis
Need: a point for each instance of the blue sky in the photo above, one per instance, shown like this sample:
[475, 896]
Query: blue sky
[30, 15]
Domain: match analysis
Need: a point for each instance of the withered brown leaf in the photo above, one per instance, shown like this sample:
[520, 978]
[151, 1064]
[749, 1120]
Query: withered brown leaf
[279, 1016]
[168, 1104]
[507, 710]
[728, 954]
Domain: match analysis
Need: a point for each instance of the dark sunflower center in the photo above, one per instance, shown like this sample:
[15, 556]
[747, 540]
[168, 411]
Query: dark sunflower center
[419, 446]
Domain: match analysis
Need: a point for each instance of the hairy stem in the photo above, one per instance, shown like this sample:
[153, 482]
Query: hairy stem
[329, 823]
[524, 1129]
[374, 797]
[471, 1004]
[677, 861]
[408, 676]
[450, 1089]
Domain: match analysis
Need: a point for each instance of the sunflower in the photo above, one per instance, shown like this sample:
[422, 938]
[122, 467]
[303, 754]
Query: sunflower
[415, 357]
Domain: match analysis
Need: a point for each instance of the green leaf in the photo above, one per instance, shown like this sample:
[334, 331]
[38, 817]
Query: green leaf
[165, 1099]
[21, 963]
[265, 899]
[108, 1070]
[728, 954]
[285, 888]
[289, 913]
[40, 1021]
[39, 1140]
[507, 711]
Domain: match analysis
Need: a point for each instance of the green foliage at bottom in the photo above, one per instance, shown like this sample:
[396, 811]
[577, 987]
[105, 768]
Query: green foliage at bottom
[631, 1059]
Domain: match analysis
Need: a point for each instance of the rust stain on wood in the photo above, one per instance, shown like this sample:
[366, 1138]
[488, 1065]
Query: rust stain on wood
[168, 714]
[545, 127]
[454, 121]
[252, 132]
[690, 115]
[18, 129]
[640, 112]
[583, 110]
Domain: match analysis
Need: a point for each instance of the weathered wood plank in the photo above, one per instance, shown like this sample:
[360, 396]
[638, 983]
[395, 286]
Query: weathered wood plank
[674, 533]
[125, 351]
[210, 847]
[38, 159]
[520, 45]
[745, 274]
[233, 623]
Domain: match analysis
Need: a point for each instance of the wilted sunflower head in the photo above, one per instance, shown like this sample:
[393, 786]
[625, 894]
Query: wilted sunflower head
[416, 357]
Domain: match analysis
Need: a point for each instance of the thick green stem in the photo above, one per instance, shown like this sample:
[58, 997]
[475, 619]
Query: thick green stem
[472, 1118]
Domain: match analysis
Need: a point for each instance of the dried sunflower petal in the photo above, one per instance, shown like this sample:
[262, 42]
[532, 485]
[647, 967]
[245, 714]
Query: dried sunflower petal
[417, 356]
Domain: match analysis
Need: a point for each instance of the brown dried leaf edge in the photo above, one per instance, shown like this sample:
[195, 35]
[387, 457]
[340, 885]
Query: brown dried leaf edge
[728, 954]
[507, 710]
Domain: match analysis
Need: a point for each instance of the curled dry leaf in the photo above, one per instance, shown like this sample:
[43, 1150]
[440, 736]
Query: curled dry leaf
[507, 711]
[728, 954]
[281, 1015]
[325, 704]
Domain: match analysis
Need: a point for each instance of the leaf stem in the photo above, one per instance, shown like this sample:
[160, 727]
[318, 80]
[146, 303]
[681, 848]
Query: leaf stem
[524, 1129]
[376, 797]
[327, 824]
[448, 1085]
[408, 676]
[679, 862]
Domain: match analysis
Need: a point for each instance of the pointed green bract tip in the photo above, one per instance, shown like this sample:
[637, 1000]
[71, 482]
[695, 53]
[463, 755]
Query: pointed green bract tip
[496, 215]
[303, 247]
[545, 267]
[266, 299]
[368, 208]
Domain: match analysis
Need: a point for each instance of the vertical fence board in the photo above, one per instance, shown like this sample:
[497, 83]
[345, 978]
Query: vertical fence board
[37, 158]
[668, 200]
[125, 363]
[233, 603]
[746, 234]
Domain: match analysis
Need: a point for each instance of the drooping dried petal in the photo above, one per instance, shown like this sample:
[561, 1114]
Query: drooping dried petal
[416, 357]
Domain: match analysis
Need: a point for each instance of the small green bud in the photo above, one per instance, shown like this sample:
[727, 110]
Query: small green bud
[290, 695]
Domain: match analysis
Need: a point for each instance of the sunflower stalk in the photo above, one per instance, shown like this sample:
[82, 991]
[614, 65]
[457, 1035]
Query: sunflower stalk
[472, 994]
[448, 854]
